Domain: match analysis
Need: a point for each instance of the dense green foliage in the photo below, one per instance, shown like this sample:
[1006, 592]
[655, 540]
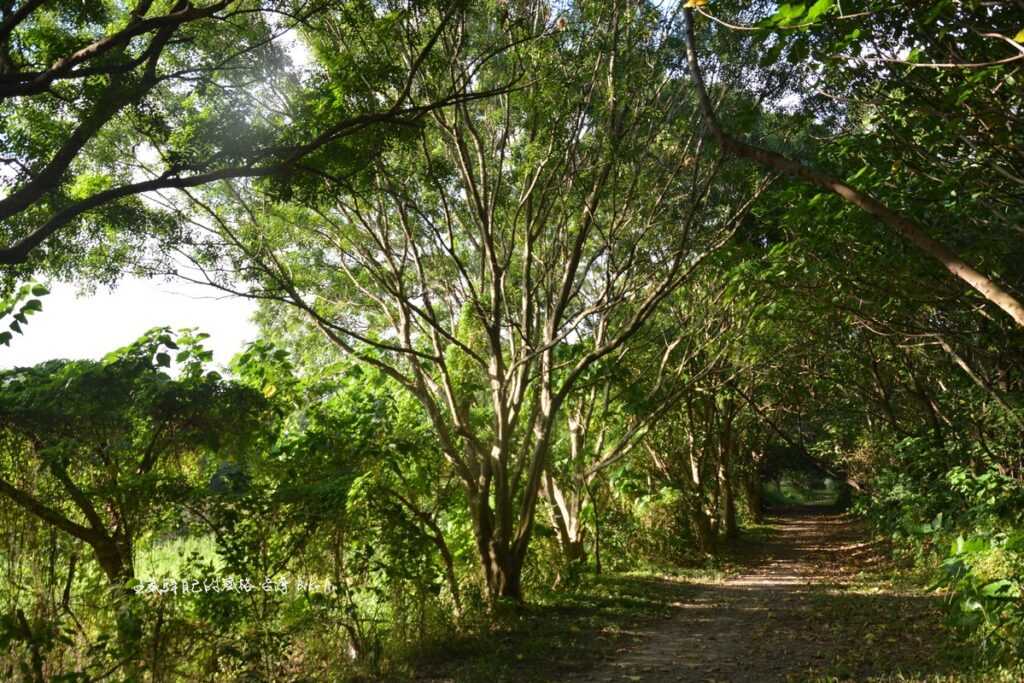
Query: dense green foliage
[530, 313]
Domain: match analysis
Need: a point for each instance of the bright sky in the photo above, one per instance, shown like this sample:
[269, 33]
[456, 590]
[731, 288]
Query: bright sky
[76, 327]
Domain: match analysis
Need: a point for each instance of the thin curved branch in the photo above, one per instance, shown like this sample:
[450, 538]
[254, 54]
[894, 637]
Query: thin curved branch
[903, 225]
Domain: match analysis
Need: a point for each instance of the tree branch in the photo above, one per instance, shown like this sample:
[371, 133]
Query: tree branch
[910, 230]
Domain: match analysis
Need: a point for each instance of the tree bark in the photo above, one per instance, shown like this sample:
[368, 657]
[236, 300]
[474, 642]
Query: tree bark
[503, 570]
[752, 493]
[726, 446]
[500, 559]
[118, 570]
[704, 533]
[566, 518]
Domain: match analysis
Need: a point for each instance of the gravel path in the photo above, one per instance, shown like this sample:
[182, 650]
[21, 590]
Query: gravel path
[800, 609]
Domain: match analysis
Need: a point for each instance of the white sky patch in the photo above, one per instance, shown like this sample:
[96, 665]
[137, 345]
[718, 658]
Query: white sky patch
[91, 326]
[297, 49]
[790, 102]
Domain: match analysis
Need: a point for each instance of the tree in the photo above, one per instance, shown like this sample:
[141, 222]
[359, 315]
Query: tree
[467, 263]
[633, 403]
[103, 102]
[904, 225]
[99, 450]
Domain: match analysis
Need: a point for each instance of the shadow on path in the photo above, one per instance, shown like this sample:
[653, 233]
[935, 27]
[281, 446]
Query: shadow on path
[796, 612]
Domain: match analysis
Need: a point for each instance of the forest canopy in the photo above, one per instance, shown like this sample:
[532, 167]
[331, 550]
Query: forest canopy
[545, 291]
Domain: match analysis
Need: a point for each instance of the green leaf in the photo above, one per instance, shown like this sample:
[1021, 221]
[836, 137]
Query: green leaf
[789, 11]
[858, 174]
[1015, 541]
[1001, 588]
[32, 305]
[819, 8]
[163, 360]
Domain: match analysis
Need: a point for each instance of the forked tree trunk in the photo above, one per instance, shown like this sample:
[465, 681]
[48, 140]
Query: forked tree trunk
[503, 571]
[501, 560]
[566, 517]
[698, 513]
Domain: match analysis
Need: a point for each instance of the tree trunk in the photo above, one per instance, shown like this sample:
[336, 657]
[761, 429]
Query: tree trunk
[704, 533]
[502, 566]
[503, 571]
[727, 499]
[597, 536]
[453, 580]
[752, 493]
[728, 503]
[565, 513]
[118, 570]
[845, 497]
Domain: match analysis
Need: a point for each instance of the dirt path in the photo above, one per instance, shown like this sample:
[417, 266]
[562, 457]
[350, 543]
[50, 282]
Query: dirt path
[799, 609]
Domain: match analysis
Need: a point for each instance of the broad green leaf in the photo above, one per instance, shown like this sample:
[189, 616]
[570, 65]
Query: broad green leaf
[819, 8]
